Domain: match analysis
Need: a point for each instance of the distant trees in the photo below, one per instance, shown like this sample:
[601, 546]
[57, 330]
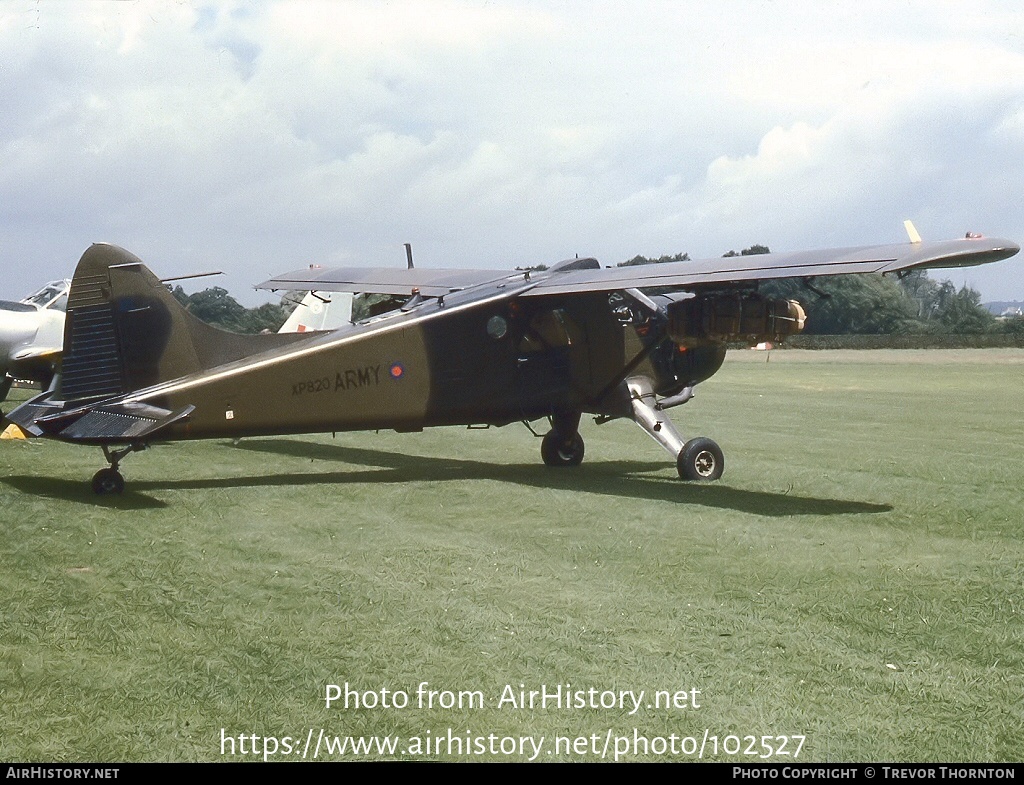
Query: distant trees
[845, 304]
[753, 250]
[679, 257]
[1014, 326]
[215, 306]
[950, 310]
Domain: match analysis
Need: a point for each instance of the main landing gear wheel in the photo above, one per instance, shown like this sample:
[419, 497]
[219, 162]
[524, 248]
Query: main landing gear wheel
[700, 460]
[107, 481]
[556, 451]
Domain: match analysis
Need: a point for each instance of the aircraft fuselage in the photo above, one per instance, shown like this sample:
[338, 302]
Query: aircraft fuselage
[460, 363]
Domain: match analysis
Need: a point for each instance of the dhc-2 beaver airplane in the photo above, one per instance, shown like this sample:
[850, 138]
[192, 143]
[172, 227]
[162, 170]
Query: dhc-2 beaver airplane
[462, 347]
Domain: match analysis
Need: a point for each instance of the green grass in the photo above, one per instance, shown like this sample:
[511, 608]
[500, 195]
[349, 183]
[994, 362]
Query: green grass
[854, 577]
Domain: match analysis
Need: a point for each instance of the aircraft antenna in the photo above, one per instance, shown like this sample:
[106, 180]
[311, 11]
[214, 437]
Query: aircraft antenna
[408, 255]
[187, 277]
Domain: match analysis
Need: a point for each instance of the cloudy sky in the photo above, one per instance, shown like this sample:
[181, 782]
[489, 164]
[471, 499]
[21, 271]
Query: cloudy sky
[259, 137]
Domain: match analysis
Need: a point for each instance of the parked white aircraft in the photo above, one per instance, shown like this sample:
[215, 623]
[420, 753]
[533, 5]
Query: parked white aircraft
[32, 335]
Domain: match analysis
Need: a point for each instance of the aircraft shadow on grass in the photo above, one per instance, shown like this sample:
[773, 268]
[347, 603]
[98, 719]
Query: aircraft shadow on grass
[610, 478]
[76, 491]
[616, 478]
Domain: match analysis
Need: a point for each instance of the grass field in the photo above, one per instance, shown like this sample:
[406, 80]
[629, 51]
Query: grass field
[855, 578]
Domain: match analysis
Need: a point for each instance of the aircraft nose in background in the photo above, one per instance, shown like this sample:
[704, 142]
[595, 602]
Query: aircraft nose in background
[17, 327]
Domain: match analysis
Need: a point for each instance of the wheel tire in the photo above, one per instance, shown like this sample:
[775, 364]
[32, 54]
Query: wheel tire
[107, 481]
[556, 452]
[700, 460]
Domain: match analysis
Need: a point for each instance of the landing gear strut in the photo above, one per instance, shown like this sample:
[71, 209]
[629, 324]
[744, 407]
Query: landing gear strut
[109, 481]
[699, 459]
[563, 445]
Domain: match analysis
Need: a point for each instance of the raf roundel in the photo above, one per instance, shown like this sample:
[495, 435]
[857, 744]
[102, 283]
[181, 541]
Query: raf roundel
[396, 371]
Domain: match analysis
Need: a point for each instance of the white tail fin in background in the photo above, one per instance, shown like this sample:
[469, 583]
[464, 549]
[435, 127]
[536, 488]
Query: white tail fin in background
[320, 311]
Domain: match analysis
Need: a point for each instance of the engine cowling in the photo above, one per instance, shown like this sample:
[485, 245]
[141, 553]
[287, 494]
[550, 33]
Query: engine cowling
[733, 317]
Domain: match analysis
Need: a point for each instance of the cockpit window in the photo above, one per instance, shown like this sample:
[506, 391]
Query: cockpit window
[43, 296]
[548, 330]
[53, 295]
[366, 306]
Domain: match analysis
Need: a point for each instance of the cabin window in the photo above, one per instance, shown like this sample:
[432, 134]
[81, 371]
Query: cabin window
[497, 327]
[547, 330]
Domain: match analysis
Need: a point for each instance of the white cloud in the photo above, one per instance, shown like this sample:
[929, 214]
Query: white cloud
[265, 136]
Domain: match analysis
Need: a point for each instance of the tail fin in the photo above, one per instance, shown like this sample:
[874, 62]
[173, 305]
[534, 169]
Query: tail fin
[125, 331]
[320, 311]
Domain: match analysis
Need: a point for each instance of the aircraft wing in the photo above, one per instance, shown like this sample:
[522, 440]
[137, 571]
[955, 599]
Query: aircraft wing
[707, 273]
[382, 280]
[697, 274]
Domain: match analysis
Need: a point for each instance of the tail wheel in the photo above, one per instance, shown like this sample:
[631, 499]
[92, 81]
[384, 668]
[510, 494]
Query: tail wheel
[700, 460]
[107, 481]
[556, 451]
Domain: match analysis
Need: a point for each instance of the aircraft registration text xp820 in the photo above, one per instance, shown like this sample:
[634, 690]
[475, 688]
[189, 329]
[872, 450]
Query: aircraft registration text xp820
[451, 347]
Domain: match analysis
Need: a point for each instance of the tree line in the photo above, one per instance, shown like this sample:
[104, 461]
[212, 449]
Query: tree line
[215, 306]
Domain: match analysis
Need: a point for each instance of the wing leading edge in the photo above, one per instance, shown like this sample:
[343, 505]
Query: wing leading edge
[697, 274]
[804, 264]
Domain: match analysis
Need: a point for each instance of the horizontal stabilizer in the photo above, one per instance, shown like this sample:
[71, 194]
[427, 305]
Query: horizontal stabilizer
[103, 424]
[25, 416]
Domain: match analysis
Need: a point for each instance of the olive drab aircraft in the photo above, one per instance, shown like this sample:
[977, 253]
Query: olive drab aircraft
[440, 347]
